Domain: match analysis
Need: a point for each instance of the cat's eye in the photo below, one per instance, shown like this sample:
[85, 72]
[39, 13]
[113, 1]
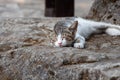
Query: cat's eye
[63, 38]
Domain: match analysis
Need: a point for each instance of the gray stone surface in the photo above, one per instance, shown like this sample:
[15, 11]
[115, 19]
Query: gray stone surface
[106, 10]
[26, 53]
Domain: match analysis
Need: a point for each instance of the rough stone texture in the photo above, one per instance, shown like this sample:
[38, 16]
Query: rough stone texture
[26, 54]
[106, 10]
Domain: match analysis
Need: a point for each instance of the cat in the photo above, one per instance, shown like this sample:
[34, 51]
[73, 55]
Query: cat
[75, 31]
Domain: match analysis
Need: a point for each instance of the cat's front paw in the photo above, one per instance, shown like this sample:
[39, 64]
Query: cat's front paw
[78, 45]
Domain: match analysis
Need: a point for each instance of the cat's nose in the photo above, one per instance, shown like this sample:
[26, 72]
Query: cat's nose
[60, 43]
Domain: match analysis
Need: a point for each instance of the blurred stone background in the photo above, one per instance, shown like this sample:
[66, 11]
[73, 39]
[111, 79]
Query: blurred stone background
[35, 8]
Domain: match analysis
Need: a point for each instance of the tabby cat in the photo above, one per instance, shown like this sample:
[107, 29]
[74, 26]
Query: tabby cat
[74, 32]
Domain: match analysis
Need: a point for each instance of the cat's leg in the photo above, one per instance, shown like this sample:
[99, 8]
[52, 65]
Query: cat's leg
[80, 42]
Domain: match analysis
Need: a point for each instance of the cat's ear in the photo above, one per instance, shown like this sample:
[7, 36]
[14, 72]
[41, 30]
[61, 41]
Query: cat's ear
[73, 27]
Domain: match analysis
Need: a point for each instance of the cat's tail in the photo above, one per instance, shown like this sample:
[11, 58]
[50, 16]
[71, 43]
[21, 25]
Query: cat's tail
[111, 29]
[109, 25]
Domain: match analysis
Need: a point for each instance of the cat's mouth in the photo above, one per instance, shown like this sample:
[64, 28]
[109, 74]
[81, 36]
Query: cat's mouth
[64, 44]
[60, 45]
[67, 45]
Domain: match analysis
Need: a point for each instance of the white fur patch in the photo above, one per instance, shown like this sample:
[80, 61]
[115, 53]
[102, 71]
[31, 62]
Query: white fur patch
[113, 31]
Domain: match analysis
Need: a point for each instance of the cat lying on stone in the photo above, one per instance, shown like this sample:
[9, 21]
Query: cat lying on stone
[76, 30]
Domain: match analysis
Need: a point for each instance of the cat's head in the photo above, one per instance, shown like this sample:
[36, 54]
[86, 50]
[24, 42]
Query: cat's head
[65, 34]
